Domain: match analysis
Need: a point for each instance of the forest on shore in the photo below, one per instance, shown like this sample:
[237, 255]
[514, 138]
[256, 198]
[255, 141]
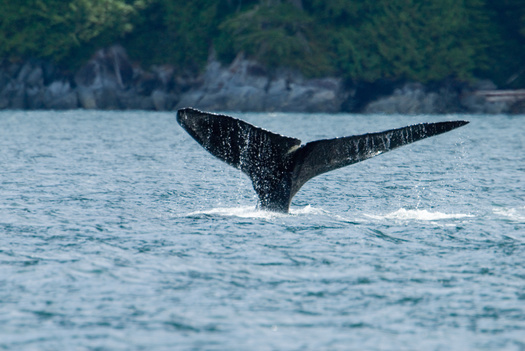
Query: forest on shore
[357, 40]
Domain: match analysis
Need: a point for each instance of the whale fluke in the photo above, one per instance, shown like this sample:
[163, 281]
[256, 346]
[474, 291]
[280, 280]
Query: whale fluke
[279, 166]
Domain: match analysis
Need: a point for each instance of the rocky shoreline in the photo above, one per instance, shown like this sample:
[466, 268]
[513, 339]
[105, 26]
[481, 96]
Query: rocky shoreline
[110, 81]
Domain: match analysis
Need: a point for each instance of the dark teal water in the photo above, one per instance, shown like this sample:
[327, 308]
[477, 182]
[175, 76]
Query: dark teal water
[119, 232]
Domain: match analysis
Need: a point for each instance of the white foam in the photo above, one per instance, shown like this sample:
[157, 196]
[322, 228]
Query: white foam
[241, 212]
[514, 214]
[306, 210]
[419, 215]
[251, 212]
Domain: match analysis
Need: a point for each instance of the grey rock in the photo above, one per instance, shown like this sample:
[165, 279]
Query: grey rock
[110, 81]
[232, 88]
[15, 94]
[35, 97]
[478, 104]
[59, 96]
[164, 75]
[58, 88]
[411, 98]
[130, 100]
[18, 100]
[35, 78]
[247, 86]
[24, 72]
[518, 108]
[101, 80]
[86, 98]
[4, 102]
[475, 103]
[106, 99]
[68, 101]
[320, 95]
[160, 100]
[109, 68]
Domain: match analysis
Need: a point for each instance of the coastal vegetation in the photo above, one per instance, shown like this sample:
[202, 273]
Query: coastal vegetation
[360, 41]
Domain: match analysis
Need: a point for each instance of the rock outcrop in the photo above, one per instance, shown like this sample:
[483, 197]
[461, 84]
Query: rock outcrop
[34, 85]
[409, 99]
[110, 81]
[474, 102]
[247, 86]
[450, 97]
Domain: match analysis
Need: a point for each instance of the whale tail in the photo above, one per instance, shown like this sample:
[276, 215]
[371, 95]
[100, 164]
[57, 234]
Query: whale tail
[279, 166]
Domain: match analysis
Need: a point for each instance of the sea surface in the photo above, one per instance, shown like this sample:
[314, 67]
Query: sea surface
[119, 232]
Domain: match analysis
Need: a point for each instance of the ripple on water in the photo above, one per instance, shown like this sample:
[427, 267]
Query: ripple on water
[118, 232]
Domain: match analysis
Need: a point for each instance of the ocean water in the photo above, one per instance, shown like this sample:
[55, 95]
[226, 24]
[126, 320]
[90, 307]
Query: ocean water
[119, 232]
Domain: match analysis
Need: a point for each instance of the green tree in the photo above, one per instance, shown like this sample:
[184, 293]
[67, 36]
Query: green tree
[178, 32]
[405, 39]
[507, 66]
[55, 29]
[278, 34]
[360, 40]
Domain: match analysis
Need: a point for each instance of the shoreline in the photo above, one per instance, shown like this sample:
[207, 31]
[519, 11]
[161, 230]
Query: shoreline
[110, 81]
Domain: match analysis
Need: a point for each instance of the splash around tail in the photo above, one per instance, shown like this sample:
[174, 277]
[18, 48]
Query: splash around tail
[279, 166]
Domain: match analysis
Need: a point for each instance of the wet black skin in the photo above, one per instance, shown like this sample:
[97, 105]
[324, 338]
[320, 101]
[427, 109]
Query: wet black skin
[279, 166]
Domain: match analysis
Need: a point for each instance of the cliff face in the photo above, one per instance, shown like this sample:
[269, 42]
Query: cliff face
[247, 86]
[110, 81]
